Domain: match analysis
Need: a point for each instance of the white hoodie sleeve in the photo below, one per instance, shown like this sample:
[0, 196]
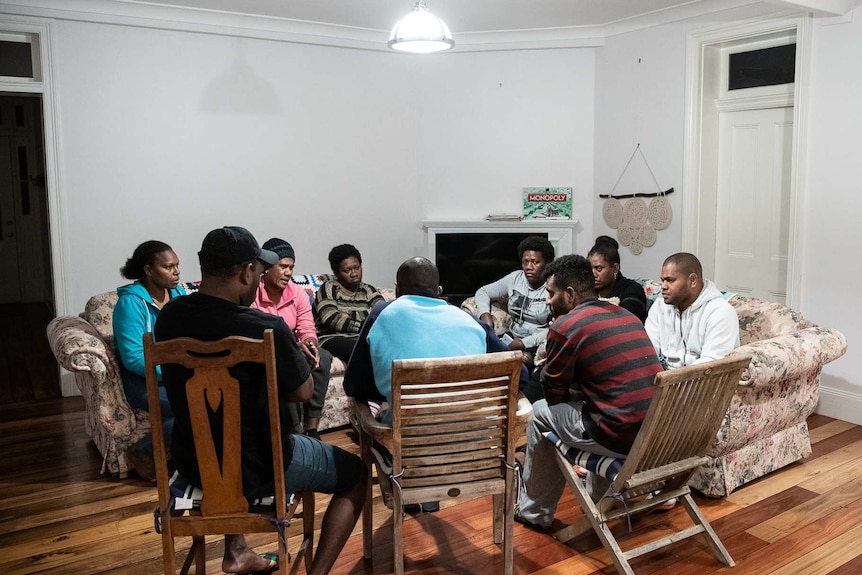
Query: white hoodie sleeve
[721, 334]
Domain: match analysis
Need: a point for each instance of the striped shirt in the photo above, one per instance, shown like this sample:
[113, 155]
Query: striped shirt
[339, 313]
[604, 353]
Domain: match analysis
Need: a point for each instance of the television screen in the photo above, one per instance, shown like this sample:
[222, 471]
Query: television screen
[467, 261]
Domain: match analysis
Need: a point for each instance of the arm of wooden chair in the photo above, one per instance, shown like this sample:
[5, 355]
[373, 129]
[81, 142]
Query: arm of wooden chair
[367, 424]
[524, 414]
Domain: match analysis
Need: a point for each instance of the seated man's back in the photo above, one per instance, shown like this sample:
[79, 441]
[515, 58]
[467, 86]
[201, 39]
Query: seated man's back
[211, 318]
[416, 325]
[232, 263]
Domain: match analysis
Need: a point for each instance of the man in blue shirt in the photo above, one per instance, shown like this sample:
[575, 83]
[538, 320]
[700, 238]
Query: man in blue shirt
[418, 324]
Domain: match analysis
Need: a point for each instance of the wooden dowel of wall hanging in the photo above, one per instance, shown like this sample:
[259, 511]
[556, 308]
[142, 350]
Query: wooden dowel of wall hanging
[652, 195]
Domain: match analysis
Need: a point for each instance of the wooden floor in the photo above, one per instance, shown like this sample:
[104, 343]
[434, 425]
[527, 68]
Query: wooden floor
[59, 515]
[27, 367]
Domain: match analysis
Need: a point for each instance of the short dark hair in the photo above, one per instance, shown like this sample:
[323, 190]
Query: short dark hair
[686, 263]
[418, 276]
[145, 254]
[573, 271]
[608, 248]
[340, 253]
[226, 272]
[537, 244]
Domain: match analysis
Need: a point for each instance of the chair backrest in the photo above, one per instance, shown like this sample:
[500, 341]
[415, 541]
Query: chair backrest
[212, 387]
[682, 420]
[454, 419]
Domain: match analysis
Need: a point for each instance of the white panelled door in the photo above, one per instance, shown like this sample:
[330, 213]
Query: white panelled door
[753, 205]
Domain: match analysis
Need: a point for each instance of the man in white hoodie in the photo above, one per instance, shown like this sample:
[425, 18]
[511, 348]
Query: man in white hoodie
[692, 323]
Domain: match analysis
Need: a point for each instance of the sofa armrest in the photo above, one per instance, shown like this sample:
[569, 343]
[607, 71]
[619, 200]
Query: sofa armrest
[791, 356]
[77, 346]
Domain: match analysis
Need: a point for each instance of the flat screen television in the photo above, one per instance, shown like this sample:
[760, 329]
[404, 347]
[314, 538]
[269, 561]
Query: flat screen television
[467, 261]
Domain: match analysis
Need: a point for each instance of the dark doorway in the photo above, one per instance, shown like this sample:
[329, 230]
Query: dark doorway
[27, 367]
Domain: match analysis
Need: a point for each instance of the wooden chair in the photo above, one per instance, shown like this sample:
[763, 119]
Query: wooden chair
[453, 434]
[223, 508]
[682, 421]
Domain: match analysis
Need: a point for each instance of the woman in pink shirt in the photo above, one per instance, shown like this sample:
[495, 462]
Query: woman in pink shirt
[279, 296]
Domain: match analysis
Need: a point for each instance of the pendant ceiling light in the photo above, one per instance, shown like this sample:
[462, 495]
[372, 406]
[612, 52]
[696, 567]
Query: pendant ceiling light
[421, 32]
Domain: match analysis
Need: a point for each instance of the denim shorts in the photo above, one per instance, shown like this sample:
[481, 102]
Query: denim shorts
[321, 467]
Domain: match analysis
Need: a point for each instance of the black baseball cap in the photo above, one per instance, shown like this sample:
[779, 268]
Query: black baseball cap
[232, 245]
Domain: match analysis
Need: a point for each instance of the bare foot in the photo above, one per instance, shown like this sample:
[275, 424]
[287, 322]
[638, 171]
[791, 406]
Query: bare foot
[240, 558]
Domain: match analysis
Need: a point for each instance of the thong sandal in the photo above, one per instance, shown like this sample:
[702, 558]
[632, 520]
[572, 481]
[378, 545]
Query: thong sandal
[272, 557]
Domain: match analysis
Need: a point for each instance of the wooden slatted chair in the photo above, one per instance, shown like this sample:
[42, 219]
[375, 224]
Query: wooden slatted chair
[223, 508]
[682, 421]
[454, 427]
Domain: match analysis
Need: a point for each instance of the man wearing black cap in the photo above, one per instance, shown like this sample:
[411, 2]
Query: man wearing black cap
[231, 266]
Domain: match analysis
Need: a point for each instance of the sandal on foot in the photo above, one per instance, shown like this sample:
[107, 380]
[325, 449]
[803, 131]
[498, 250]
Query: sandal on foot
[272, 557]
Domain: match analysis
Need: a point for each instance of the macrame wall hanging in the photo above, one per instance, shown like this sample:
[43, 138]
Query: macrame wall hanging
[635, 221]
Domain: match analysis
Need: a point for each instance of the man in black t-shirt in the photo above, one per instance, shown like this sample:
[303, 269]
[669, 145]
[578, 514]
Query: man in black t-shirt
[231, 265]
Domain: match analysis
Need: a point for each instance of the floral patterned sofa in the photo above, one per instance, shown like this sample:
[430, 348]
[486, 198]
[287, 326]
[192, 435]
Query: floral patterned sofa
[765, 427]
[84, 345]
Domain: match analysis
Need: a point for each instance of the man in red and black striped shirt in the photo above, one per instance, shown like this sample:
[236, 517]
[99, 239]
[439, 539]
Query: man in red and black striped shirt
[597, 381]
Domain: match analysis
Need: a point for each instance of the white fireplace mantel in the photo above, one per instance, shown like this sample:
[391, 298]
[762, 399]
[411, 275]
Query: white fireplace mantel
[560, 232]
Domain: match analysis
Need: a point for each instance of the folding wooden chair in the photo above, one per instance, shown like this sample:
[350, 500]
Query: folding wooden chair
[683, 418]
[223, 508]
[454, 427]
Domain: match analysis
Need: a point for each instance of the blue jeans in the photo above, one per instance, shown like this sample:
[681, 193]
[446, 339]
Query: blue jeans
[321, 467]
[136, 394]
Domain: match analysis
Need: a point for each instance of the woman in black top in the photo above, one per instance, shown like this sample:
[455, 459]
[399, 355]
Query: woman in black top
[610, 283]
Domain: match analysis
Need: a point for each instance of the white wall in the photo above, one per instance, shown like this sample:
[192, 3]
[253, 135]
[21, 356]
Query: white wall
[832, 276]
[494, 123]
[168, 134]
[644, 102]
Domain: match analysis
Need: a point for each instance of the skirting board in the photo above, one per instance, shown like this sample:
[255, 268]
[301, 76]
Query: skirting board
[840, 404]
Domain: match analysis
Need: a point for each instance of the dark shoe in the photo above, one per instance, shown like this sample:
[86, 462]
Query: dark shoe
[427, 507]
[313, 433]
[142, 463]
[530, 525]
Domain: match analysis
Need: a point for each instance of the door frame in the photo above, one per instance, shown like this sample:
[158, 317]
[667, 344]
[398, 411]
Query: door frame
[43, 33]
[44, 62]
[696, 232]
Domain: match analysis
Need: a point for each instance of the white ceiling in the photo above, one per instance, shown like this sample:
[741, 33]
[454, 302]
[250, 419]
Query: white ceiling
[476, 24]
[461, 15]
[464, 16]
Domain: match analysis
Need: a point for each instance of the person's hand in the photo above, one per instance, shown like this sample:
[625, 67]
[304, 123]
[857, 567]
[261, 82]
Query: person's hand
[517, 343]
[488, 319]
[527, 358]
[309, 349]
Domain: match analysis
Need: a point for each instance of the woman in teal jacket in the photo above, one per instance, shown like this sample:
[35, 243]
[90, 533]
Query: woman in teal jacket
[156, 269]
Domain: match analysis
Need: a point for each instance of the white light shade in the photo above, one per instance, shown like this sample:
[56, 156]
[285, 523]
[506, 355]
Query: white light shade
[421, 32]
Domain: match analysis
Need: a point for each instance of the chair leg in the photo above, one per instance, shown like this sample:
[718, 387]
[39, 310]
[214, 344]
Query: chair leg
[368, 504]
[200, 545]
[592, 515]
[168, 556]
[498, 513]
[397, 532]
[718, 548]
[508, 523]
